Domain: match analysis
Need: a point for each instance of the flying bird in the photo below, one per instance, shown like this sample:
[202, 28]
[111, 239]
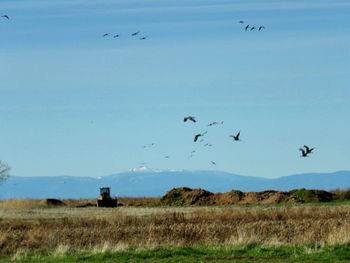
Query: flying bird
[213, 162]
[261, 27]
[246, 28]
[191, 118]
[6, 16]
[215, 123]
[149, 145]
[303, 152]
[207, 144]
[107, 34]
[198, 135]
[241, 22]
[142, 38]
[236, 137]
[252, 28]
[136, 33]
[167, 157]
[308, 149]
[115, 36]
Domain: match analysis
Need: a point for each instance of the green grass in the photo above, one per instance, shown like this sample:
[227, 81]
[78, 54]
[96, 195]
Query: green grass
[222, 253]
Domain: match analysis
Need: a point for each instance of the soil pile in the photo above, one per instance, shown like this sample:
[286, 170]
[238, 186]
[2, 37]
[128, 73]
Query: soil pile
[185, 196]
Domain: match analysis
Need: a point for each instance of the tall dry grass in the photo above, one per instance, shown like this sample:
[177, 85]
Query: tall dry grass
[120, 228]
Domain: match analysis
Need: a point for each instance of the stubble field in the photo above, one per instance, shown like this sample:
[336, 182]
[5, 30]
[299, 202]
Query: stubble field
[166, 234]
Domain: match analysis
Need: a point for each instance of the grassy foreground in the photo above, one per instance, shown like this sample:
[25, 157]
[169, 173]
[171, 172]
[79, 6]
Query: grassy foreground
[224, 253]
[307, 233]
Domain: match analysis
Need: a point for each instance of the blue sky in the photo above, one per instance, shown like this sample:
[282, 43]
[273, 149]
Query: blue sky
[75, 103]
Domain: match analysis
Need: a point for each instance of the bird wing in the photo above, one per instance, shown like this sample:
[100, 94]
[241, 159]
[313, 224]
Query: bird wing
[307, 148]
[196, 137]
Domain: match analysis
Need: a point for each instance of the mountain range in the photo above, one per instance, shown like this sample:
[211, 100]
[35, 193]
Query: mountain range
[152, 183]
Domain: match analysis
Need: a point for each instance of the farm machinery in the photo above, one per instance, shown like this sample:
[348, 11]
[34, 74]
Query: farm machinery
[105, 199]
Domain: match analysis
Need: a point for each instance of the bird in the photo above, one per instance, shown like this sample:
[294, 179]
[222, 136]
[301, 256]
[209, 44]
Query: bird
[106, 34]
[149, 145]
[136, 33]
[167, 157]
[236, 138]
[261, 27]
[213, 162]
[246, 28]
[142, 38]
[207, 144]
[215, 123]
[241, 22]
[198, 135]
[252, 28]
[6, 16]
[115, 36]
[308, 149]
[191, 118]
[303, 152]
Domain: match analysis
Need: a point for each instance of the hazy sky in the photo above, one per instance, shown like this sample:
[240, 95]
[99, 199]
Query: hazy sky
[76, 103]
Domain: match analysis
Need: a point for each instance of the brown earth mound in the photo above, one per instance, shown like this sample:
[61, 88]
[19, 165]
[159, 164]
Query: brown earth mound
[50, 202]
[185, 196]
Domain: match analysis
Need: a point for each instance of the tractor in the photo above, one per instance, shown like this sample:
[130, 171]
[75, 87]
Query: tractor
[105, 199]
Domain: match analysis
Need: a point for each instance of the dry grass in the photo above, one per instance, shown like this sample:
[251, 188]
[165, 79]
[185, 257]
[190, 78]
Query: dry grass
[36, 203]
[63, 229]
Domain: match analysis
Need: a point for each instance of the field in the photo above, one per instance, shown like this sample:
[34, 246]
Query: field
[30, 232]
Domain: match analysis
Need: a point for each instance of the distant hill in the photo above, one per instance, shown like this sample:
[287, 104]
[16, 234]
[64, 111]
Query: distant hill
[148, 183]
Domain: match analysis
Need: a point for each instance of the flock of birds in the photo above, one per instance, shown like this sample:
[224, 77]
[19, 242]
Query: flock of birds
[191, 118]
[305, 150]
[118, 35]
[251, 27]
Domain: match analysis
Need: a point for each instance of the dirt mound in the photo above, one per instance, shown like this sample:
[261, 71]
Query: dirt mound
[50, 202]
[229, 198]
[305, 195]
[185, 196]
